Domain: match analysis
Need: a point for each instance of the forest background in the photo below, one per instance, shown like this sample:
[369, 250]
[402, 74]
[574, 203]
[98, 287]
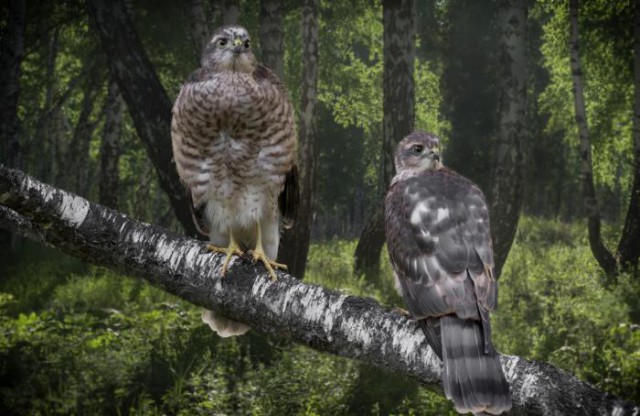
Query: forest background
[85, 105]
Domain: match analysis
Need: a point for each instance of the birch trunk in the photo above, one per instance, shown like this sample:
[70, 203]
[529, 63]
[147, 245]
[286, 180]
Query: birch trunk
[200, 30]
[271, 35]
[146, 99]
[629, 247]
[77, 172]
[110, 148]
[230, 12]
[320, 318]
[600, 252]
[398, 120]
[507, 192]
[294, 248]
[12, 51]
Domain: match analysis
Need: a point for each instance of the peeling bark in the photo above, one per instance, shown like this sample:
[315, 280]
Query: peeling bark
[600, 252]
[508, 177]
[323, 319]
[295, 242]
[398, 119]
[146, 99]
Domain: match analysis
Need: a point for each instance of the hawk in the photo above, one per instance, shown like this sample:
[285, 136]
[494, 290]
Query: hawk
[439, 242]
[234, 143]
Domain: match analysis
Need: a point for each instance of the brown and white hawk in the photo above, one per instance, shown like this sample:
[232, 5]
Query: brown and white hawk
[439, 242]
[234, 144]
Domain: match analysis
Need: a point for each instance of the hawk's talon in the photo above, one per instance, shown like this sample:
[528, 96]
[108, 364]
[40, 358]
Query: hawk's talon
[259, 255]
[233, 248]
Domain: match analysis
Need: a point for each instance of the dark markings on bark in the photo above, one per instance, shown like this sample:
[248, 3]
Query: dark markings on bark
[294, 248]
[508, 177]
[398, 120]
[146, 99]
[600, 252]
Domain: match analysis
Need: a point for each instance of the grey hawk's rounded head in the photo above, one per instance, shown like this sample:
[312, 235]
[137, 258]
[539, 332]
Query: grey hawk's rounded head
[229, 50]
[417, 152]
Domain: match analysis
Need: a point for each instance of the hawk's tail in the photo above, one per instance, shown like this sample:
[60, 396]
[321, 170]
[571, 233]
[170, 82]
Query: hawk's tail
[222, 326]
[472, 375]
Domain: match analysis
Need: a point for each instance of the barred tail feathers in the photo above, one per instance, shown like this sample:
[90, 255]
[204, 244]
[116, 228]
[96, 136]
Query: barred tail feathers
[222, 326]
[472, 378]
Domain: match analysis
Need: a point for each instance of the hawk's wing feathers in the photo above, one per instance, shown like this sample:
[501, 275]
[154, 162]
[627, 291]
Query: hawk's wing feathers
[440, 244]
[289, 198]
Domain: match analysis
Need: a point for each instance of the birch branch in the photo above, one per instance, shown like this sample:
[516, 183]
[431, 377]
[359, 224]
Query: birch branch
[323, 319]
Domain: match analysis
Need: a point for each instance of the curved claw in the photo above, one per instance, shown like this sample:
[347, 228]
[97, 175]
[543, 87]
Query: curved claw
[259, 255]
[233, 248]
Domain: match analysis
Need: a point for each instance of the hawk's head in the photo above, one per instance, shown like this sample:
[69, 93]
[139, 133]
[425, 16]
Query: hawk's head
[229, 50]
[417, 152]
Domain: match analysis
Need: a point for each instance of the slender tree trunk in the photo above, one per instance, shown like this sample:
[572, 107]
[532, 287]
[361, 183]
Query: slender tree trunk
[11, 51]
[110, 148]
[230, 12]
[328, 321]
[295, 242]
[45, 152]
[76, 174]
[398, 106]
[601, 253]
[11, 55]
[146, 99]
[629, 247]
[508, 181]
[271, 34]
[199, 27]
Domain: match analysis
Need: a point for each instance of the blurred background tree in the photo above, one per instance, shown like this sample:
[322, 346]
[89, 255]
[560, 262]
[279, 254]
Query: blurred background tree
[85, 105]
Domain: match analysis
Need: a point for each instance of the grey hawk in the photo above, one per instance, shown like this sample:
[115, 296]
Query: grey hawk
[234, 143]
[439, 242]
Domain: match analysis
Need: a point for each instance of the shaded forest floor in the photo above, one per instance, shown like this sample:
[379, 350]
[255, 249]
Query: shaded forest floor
[77, 339]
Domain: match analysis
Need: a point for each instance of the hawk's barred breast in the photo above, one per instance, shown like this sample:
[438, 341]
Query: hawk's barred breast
[234, 141]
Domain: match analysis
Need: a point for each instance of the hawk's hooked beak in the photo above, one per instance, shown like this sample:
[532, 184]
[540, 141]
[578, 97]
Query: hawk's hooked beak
[238, 45]
[434, 154]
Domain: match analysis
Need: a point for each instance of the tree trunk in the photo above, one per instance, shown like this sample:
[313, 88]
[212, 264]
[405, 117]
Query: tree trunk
[199, 28]
[600, 252]
[271, 34]
[146, 99]
[398, 106]
[230, 12]
[294, 248]
[323, 319]
[507, 192]
[11, 51]
[77, 171]
[629, 247]
[110, 148]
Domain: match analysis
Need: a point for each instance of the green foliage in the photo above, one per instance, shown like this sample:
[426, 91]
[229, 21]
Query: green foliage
[608, 90]
[554, 307]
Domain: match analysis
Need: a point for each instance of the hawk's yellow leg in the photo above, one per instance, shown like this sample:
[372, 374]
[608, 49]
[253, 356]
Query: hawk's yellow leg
[233, 248]
[259, 255]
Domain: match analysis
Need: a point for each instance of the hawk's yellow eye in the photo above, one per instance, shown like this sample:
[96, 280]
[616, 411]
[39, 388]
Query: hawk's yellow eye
[222, 42]
[417, 149]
